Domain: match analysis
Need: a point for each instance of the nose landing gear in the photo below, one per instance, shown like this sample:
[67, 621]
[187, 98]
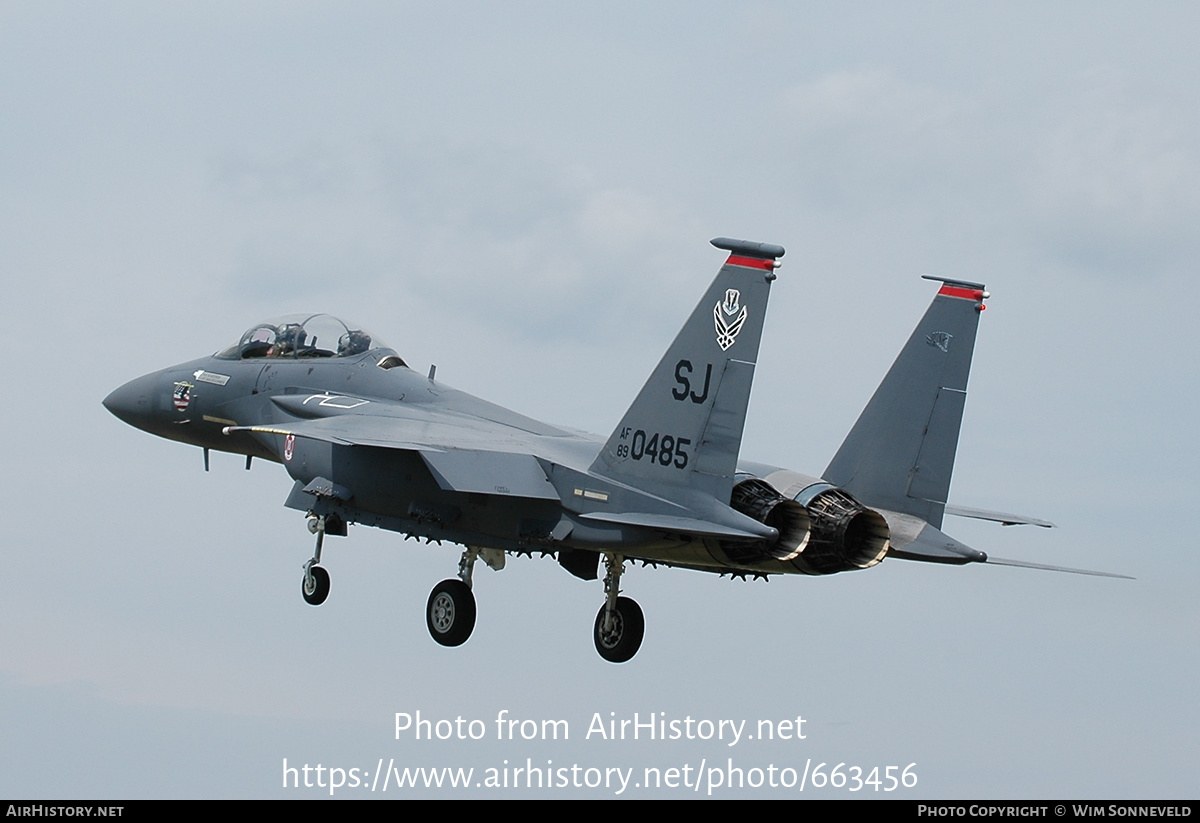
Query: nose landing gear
[315, 585]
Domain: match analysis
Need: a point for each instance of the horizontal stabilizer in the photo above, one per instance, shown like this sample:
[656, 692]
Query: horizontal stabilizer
[1004, 518]
[929, 545]
[913, 540]
[1021, 564]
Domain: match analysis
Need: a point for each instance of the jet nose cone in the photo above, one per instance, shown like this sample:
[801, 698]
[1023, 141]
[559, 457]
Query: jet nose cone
[131, 402]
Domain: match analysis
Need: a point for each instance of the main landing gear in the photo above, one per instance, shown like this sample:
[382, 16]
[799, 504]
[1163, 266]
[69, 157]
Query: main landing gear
[450, 611]
[619, 625]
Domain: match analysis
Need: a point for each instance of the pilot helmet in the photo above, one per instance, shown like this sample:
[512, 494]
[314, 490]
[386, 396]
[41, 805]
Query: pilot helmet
[353, 342]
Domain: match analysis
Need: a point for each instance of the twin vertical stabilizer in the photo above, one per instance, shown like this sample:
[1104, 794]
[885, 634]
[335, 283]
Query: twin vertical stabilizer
[900, 454]
[684, 430]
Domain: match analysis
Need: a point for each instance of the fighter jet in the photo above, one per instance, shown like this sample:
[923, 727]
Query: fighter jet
[368, 440]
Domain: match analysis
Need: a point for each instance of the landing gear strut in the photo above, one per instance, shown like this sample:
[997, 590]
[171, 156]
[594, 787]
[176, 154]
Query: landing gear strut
[450, 612]
[619, 624]
[315, 585]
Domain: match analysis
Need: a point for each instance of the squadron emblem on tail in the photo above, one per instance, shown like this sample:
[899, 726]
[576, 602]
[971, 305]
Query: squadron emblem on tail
[729, 317]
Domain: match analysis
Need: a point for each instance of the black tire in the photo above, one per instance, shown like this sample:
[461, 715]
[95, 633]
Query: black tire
[450, 612]
[316, 594]
[623, 642]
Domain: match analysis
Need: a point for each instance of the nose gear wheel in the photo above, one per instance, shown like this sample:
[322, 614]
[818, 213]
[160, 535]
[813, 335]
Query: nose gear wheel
[315, 585]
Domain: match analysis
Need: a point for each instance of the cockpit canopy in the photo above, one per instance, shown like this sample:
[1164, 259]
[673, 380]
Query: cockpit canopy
[301, 335]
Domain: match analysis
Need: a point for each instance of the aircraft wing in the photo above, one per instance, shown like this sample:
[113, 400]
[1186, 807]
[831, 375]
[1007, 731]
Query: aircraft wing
[482, 460]
[464, 454]
[346, 420]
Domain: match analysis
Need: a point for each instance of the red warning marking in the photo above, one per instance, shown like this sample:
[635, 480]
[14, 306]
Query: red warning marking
[750, 262]
[289, 446]
[966, 294]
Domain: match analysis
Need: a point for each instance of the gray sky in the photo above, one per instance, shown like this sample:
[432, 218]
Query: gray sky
[522, 193]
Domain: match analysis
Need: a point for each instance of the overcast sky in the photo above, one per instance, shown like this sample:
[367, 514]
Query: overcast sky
[523, 194]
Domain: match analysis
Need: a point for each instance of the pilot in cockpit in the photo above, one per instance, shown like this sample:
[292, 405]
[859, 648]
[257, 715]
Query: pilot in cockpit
[288, 341]
[353, 342]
